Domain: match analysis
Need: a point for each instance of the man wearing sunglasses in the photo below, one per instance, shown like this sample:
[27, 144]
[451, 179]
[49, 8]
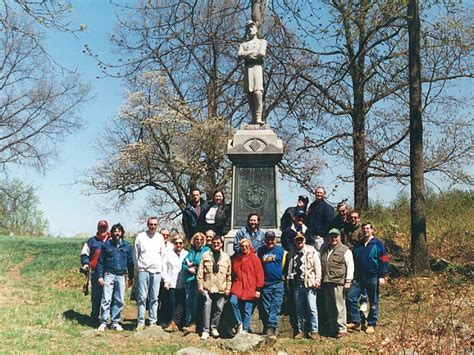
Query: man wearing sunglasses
[213, 282]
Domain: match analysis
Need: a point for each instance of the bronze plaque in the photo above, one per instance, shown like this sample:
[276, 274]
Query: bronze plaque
[255, 191]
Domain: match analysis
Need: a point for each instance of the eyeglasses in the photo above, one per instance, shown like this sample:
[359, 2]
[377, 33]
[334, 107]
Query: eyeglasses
[216, 243]
[178, 243]
[153, 224]
[165, 234]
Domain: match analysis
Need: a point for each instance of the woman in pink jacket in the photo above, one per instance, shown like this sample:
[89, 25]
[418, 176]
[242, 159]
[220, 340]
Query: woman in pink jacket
[247, 281]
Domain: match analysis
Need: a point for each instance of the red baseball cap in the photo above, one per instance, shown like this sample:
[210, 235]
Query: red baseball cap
[103, 223]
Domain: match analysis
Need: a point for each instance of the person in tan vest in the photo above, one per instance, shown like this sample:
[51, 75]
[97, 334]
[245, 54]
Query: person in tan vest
[337, 273]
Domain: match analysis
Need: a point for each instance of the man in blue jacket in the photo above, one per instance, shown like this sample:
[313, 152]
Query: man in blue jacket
[192, 212]
[115, 260]
[89, 258]
[371, 267]
[319, 216]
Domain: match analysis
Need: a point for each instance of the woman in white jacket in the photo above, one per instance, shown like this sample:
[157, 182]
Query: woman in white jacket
[174, 282]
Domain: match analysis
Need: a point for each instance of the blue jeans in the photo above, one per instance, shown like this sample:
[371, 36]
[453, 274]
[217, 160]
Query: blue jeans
[114, 287]
[96, 295]
[272, 299]
[243, 311]
[306, 309]
[371, 285]
[148, 286]
[191, 301]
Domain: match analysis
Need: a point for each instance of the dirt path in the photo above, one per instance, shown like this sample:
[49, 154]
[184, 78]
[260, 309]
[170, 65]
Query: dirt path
[15, 272]
[14, 275]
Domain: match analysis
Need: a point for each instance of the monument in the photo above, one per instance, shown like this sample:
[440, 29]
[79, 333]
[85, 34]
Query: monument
[254, 150]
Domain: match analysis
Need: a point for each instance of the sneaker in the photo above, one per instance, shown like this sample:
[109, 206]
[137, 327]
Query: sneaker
[215, 333]
[370, 330]
[117, 327]
[353, 327]
[240, 329]
[153, 325]
[204, 335]
[364, 307]
[102, 327]
[298, 336]
[140, 327]
[313, 335]
[190, 329]
[172, 327]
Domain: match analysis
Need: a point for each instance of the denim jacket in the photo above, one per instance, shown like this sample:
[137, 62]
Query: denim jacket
[115, 258]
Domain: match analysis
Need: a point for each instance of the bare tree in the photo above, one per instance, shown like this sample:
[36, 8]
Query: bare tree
[419, 247]
[354, 101]
[38, 100]
[193, 48]
[153, 145]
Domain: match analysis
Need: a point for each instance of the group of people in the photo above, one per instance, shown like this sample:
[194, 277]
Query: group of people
[327, 266]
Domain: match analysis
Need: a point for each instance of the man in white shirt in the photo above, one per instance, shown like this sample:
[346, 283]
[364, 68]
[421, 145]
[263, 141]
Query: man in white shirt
[149, 253]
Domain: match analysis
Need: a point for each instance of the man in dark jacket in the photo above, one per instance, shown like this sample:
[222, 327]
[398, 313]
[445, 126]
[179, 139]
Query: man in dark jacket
[115, 260]
[371, 267]
[352, 233]
[320, 215]
[192, 212]
[89, 258]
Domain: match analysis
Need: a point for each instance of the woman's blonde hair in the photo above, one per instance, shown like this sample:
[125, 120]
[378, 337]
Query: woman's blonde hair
[196, 235]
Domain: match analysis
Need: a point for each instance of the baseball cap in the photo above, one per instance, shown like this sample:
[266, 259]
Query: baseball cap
[300, 214]
[299, 236]
[270, 235]
[103, 223]
[334, 231]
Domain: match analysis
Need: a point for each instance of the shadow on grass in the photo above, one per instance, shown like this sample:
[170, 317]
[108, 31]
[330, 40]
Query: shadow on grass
[86, 321]
[80, 318]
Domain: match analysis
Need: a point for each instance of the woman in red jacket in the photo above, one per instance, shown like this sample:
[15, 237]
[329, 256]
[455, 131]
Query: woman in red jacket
[247, 281]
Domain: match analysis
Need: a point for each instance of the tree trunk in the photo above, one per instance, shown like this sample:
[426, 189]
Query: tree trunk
[419, 248]
[361, 183]
[258, 14]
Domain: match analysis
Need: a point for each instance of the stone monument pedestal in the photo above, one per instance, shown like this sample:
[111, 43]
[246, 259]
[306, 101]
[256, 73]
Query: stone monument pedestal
[254, 152]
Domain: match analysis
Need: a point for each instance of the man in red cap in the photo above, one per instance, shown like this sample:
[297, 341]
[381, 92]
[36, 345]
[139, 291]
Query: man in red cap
[89, 258]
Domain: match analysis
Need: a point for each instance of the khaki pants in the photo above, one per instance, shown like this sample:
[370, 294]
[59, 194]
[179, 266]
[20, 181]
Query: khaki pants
[335, 306]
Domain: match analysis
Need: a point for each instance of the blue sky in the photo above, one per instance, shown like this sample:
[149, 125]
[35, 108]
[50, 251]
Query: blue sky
[64, 201]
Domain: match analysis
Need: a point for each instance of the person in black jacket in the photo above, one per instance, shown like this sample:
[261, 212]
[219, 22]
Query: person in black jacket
[216, 216]
[192, 213]
[290, 213]
[320, 215]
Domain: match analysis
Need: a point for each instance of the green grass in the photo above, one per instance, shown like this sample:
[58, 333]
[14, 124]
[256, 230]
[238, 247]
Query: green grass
[42, 308]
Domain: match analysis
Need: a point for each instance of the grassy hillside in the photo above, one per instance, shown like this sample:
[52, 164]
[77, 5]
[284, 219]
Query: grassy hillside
[42, 309]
